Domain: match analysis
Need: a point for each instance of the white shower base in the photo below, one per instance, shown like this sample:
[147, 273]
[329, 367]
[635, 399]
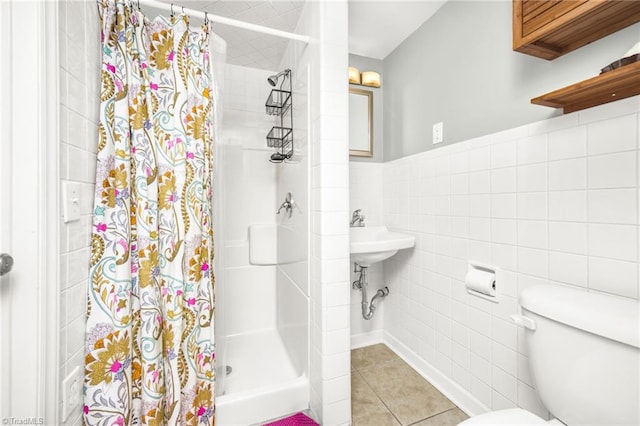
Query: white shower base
[264, 383]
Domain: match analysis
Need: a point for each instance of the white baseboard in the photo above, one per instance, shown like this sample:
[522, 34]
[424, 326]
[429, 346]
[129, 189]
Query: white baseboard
[366, 339]
[457, 394]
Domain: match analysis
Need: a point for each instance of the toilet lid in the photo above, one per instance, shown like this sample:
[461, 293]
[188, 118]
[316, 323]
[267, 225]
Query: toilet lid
[511, 417]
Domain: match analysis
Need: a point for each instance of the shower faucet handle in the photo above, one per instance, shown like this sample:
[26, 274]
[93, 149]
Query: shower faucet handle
[287, 205]
[6, 263]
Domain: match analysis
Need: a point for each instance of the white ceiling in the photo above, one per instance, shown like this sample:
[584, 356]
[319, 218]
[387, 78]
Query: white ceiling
[377, 27]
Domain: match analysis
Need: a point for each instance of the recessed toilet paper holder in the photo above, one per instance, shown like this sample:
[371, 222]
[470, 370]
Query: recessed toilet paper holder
[480, 281]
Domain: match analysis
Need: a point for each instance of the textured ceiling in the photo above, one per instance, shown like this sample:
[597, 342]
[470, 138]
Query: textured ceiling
[249, 48]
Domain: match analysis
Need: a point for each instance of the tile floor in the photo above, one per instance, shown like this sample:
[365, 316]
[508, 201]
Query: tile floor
[385, 390]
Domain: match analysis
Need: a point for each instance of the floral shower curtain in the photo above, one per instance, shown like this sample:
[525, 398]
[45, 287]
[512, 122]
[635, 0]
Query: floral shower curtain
[150, 344]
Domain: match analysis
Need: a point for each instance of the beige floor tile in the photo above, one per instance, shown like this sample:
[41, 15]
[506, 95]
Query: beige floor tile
[371, 356]
[366, 408]
[407, 395]
[448, 418]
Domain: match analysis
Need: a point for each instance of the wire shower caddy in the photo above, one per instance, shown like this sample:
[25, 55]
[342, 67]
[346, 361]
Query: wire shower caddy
[280, 104]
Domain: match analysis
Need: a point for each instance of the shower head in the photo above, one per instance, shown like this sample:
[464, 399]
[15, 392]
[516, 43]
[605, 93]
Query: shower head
[273, 80]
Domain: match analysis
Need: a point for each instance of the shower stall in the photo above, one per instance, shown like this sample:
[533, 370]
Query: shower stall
[261, 253]
[261, 257]
[262, 272]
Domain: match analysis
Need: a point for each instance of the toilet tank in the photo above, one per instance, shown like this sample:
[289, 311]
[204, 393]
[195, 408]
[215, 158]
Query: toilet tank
[584, 354]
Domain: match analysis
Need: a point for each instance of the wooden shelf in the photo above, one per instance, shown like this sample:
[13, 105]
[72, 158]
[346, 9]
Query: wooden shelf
[611, 86]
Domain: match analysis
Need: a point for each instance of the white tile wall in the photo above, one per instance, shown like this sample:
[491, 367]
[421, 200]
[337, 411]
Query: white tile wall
[551, 202]
[365, 191]
[79, 41]
[326, 23]
[613, 170]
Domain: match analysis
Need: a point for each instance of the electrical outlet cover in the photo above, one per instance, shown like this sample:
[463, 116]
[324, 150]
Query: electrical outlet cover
[71, 393]
[438, 132]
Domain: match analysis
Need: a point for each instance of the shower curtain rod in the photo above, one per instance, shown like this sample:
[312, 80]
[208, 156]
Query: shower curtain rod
[170, 7]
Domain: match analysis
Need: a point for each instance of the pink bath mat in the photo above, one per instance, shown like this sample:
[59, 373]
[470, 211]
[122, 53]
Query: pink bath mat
[298, 419]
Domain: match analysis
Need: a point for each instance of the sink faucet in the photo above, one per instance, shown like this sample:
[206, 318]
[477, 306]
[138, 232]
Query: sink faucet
[357, 219]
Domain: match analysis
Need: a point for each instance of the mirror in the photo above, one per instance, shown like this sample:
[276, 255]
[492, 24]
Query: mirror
[360, 122]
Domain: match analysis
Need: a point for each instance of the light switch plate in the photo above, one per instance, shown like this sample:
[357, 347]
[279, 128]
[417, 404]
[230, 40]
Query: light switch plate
[70, 201]
[438, 133]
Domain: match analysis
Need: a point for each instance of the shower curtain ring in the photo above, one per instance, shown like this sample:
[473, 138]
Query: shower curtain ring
[172, 10]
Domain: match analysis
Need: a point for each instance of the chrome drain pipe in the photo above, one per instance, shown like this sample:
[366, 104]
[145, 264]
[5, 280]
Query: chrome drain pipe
[362, 283]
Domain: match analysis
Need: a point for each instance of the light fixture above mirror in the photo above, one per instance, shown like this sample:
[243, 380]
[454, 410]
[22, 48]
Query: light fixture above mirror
[366, 78]
[370, 78]
[354, 75]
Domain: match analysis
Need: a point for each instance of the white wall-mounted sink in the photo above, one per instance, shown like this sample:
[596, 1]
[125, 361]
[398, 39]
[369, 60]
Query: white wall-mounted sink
[372, 244]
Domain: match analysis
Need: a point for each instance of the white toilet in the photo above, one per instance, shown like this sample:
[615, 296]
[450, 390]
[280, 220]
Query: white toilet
[584, 354]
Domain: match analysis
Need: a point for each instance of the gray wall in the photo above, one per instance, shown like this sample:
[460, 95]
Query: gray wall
[459, 68]
[364, 63]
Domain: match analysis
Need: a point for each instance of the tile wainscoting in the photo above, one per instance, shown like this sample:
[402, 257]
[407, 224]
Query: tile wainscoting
[553, 202]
